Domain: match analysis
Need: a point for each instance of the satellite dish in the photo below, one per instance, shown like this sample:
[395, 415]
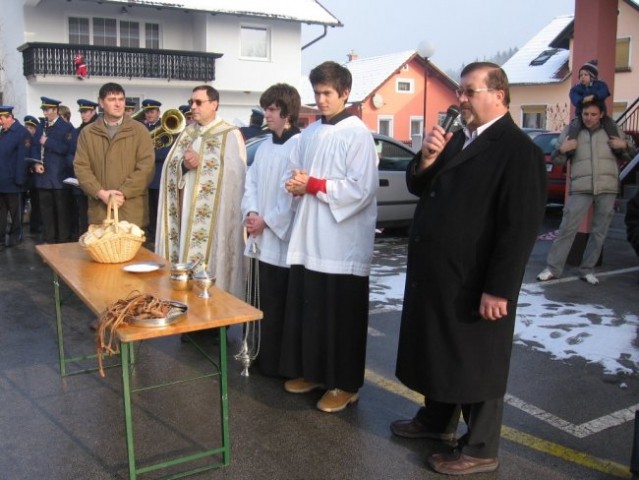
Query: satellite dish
[378, 101]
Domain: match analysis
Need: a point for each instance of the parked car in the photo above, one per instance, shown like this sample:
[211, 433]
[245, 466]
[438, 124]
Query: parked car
[395, 204]
[556, 180]
[533, 132]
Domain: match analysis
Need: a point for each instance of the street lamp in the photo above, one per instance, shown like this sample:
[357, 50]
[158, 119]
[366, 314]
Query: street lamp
[425, 50]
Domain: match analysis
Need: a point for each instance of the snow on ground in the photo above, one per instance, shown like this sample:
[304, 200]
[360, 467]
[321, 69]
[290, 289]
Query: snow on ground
[563, 330]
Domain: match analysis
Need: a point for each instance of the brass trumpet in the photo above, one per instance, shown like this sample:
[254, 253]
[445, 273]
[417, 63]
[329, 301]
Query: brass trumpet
[139, 115]
[171, 125]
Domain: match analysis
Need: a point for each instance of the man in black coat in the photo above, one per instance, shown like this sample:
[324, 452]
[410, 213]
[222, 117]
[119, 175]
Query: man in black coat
[482, 200]
[632, 222]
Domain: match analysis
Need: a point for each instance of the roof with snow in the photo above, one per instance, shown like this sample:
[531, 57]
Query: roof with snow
[537, 62]
[303, 11]
[371, 73]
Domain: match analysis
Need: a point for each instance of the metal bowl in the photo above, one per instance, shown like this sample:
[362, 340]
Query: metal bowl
[178, 309]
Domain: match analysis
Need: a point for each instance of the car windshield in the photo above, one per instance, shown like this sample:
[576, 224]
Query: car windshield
[391, 156]
[547, 142]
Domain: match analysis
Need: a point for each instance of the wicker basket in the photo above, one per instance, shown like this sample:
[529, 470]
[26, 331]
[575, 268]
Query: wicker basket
[117, 248]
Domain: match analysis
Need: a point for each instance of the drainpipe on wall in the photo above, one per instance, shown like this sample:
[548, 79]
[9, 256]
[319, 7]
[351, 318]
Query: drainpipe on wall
[316, 39]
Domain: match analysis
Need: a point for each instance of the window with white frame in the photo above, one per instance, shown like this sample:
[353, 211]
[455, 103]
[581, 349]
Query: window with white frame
[533, 116]
[130, 34]
[152, 35]
[112, 33]
[385, 125]
[79, 33]
[622, 55]
[254, 42]
[404, 85]
[105, 32]
[416, 126]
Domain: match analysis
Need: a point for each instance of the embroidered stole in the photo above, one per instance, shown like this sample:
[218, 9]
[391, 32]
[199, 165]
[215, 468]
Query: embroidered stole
[202, 193]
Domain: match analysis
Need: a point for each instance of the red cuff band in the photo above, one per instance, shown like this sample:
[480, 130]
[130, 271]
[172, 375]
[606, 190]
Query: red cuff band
[315, 185]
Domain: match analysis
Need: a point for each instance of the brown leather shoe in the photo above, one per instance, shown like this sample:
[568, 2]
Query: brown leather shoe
[299, 385]
[336, 400]
[413, 428]
[457, 463]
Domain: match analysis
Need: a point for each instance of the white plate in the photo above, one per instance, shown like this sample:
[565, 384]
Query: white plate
[141, 267]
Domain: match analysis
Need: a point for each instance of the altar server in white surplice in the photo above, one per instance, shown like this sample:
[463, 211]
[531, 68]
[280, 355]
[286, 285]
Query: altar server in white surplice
[199, 216]
[334, 172]
[268, 215]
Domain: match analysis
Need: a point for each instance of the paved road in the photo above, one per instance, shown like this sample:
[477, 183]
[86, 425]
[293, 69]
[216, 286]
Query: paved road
[569, 413]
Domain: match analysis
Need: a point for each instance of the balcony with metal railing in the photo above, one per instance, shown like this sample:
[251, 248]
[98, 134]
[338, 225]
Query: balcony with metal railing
[49, 59]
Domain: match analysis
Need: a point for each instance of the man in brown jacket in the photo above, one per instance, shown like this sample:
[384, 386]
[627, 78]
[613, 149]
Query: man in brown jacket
[115, 157]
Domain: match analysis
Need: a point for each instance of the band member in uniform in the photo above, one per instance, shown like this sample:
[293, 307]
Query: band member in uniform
[153, 120]
[79, 203]
[31, 124]
[255, 124]
[129, 107]
[15, 142]
[31, 195]
[50, 147]
[186, 111]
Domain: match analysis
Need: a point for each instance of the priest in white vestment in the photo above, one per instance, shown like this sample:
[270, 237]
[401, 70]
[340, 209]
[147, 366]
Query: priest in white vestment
[199, 215]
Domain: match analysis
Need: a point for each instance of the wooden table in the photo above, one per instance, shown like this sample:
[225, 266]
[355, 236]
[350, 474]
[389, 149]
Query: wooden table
[98, 285]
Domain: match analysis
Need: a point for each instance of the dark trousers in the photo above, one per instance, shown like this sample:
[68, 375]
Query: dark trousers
[483, 421]
[54, 208]
[273, 282]
[154, 197]
[325, 327]
[79, 205]
[35, 217]
[11, 207]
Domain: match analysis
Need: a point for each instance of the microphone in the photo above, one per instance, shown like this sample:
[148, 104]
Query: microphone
[451, 115]
[447, 123]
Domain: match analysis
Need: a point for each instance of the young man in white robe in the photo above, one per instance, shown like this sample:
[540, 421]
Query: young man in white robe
[334, 172]
[199, 216]
[268, 216]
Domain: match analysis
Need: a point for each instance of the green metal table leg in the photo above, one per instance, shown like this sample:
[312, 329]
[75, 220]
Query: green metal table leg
[132, 354]
[58, 319]
[224, 400]
[128, 419]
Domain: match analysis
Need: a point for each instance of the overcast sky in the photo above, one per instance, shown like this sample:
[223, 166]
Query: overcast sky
[460, 31]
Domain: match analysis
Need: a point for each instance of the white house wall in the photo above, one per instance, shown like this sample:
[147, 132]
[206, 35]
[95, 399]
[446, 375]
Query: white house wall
[11, 36]
[241, 74]
[240, 81]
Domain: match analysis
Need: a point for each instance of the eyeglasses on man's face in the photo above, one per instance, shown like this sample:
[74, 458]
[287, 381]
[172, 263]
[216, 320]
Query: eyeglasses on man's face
[470, 92]
[198, 102]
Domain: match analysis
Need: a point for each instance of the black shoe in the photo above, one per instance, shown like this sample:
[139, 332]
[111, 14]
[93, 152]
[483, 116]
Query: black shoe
[413, 428]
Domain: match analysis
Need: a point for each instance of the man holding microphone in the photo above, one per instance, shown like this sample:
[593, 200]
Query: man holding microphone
[482, 199]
